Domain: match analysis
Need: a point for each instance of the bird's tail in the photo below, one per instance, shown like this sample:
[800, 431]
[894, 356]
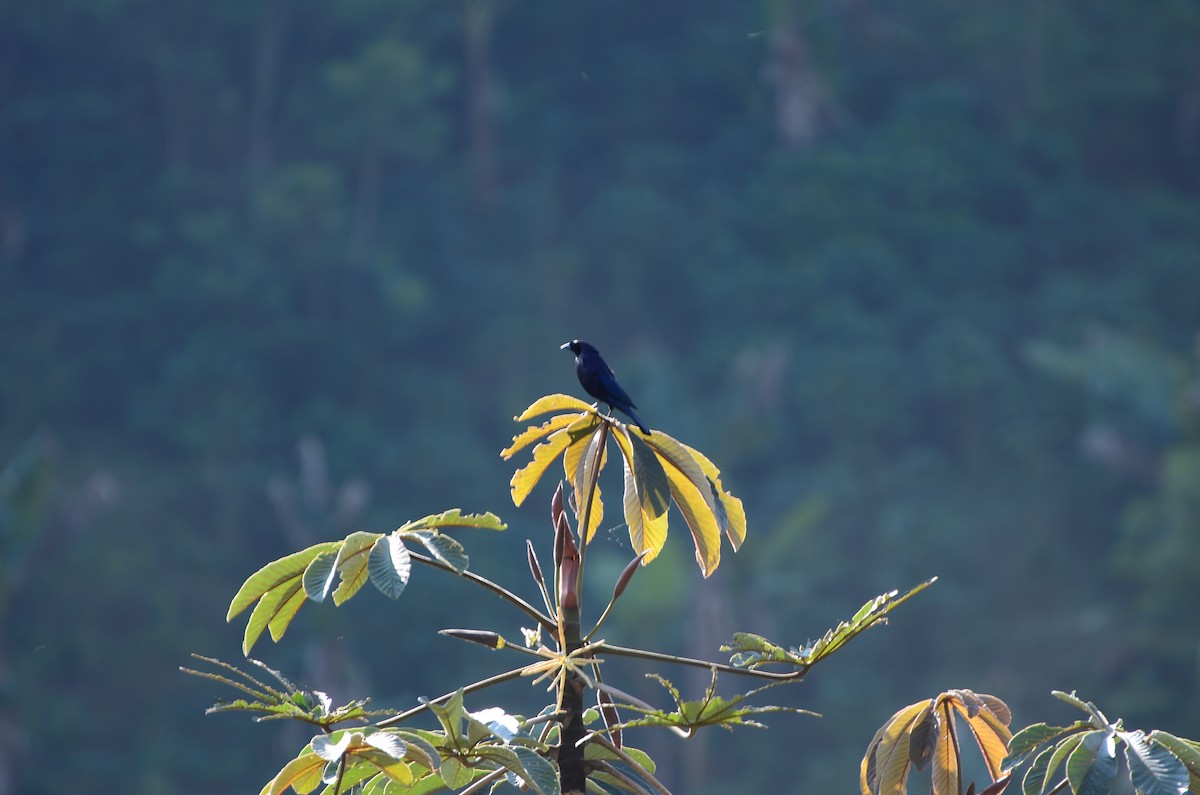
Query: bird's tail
[638, 421]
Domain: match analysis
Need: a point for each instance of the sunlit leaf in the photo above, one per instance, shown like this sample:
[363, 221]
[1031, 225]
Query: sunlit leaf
[1035, 776]
[330, 749]
[580, 465]
[536, 432]
[525, 478]
[271, 605]
[275, 574]
[444, 548]
[946, 775]
[646, 533]
[455, 773]
[540, 773]
[319, 576]
[1092, 766]
[885, 765]
[549, 403]
[1187, 751]
[711, 710]
[284, 615]
[696, 510]
[1032, 739]
[1059, 758]
[991, 735]
[734, 515]
[389, 565]
[925, 735]
[1153, 768]
[455, 518]
[303, 774]
[352, 561]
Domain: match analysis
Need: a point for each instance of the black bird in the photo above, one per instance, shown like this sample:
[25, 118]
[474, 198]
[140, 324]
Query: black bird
[597, 379]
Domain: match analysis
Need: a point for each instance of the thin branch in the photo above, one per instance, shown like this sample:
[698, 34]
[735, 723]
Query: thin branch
[777, 676]
[499, 590]
[479, 785]
[471, 688]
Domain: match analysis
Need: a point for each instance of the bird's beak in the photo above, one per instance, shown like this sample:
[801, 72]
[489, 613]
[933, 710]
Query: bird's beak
[564, 346]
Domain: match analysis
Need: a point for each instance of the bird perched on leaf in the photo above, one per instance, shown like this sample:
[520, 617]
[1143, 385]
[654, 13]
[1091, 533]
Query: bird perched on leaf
[597, 379]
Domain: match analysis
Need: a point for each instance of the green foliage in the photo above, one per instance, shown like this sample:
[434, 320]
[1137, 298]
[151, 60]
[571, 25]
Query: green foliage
[281, 587]
[752, 651]
[711, 710]
[1094, 756]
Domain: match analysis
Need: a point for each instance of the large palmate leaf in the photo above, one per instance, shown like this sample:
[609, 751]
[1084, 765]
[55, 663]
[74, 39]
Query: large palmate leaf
[1095, 756]
[926, 732]
[279, 589]
[754, 651]
[657, 469]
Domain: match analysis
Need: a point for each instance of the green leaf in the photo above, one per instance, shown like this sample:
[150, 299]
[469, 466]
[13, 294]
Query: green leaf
[549, 403]
[1033, 739]
[389, 565]
[444, 548]
[539, 772]
[1092, 766]
[419, 749]
[451, 715]
[303, 774]
[387, 742]
[455, 773]
[273, 575]
[1035, 776]
[329, 748]
[352, 562]
[319, 576]
[1153, 768]
[1187, 750]
[455, 518]
[711, 710]
[1061, 753]
[275, 603]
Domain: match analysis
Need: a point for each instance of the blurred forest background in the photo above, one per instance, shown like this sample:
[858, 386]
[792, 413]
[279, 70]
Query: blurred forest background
[923, 278]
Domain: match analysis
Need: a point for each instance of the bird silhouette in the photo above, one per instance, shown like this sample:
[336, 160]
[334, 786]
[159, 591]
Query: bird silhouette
[597, 379]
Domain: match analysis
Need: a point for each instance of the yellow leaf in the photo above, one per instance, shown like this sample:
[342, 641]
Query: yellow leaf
[991, 735]
[735, 513]
[535, 432]
[887, 755]
[577, 466]
[525, 478]
[705, 533]
[647, 532]
[947, 779]
[268, 609]
[549, 403]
